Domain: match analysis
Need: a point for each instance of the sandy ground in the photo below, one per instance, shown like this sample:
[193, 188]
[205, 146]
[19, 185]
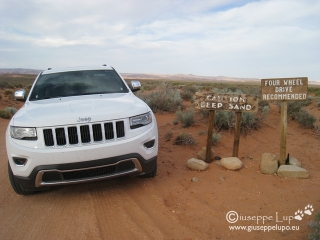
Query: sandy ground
[171, 206]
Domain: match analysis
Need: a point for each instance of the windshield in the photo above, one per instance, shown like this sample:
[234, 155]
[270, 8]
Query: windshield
[65, 84]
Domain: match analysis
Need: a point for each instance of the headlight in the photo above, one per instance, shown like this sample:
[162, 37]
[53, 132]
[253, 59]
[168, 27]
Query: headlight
[140, 120]
[23, 133]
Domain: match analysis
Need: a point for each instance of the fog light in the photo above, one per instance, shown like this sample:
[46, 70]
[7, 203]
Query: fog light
[20, 161]
[149, 144]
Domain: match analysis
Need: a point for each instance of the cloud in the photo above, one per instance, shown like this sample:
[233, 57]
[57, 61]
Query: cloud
[267, 38]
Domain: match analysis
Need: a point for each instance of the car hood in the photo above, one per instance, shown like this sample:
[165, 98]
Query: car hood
[78, 109]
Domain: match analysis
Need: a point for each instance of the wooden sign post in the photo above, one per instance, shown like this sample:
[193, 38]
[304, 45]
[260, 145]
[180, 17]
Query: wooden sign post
[226, 102]
[237, 129]
[284, 89]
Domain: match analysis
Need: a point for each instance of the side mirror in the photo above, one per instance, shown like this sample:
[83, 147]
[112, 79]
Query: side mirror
[135, 85]
[20, 95]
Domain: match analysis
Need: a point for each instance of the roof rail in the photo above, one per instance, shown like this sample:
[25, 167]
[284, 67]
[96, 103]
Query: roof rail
[104, 65]
[49, 68]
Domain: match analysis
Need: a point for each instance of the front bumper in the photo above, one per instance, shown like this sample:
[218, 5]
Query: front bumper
[69, 173]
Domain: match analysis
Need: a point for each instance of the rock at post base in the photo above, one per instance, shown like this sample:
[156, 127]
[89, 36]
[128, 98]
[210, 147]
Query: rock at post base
[292, 171]
[202, 154]
[231, 163]
[294, 161]
[197, 165]
[268, 163]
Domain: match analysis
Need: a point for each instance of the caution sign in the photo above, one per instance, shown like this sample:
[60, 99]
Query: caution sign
[226, 102]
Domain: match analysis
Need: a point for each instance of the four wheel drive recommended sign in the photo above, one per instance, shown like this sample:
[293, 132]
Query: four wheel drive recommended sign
[226, 102]
[284, 89]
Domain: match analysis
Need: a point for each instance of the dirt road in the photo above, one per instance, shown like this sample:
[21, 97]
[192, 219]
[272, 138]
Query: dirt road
[171, 206]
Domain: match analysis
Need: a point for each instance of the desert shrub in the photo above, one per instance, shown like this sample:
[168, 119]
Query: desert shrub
[8, 92]
[15, 80]
[175, 121]
[3, 85]
[148, 85]
[5, 114]
[188, 92]
[200, 133]
[315, 226]
[229, 90]
[164, 99]
[168, 136]
[215, 138]
[184, 139]
[186, 117]
[204, 113]
[10, 86]
[249, 121]
[314, 90]
[294, 107]
[305, 119]
[262, 104]
[29, 86]
[0, 96]
[224, 120]
[265, 112]
[11, 110]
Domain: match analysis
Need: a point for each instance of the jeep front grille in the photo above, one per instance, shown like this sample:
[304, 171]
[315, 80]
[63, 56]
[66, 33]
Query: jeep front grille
[83, 134]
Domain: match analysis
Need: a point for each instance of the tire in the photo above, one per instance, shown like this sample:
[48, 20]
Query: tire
[151, 174]
[16, 187]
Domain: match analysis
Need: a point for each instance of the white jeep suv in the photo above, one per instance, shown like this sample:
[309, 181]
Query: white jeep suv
[78, 125]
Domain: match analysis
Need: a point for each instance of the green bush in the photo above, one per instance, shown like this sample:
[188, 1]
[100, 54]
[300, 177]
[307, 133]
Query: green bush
[204, 113]
[315, 90]
[8, 92]
[164, 99]
[168, 136]
[305, 119]
[200, 132]
[28, 87]
[186, 118]
[230, 90]
[10, 86]
[11, 110]
[3, 85]
[5, 114]
[224, 120]
[296, 110]
[12, 80]
[265, 111]
[249, 121]
[188, 92]
[294, 107]
[262, 104]
[315, 226]
[215, 138]
[185, 139]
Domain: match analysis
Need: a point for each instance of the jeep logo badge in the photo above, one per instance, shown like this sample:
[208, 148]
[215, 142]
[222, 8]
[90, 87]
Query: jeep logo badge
[84, 119]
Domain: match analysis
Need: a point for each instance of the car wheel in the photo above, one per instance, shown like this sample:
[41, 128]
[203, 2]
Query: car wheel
[150, 174]
[16, 187]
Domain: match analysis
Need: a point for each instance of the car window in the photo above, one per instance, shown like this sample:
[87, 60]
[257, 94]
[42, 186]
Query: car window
[75, 83]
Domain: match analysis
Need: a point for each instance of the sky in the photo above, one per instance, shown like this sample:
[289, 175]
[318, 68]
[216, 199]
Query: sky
[233, 38]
